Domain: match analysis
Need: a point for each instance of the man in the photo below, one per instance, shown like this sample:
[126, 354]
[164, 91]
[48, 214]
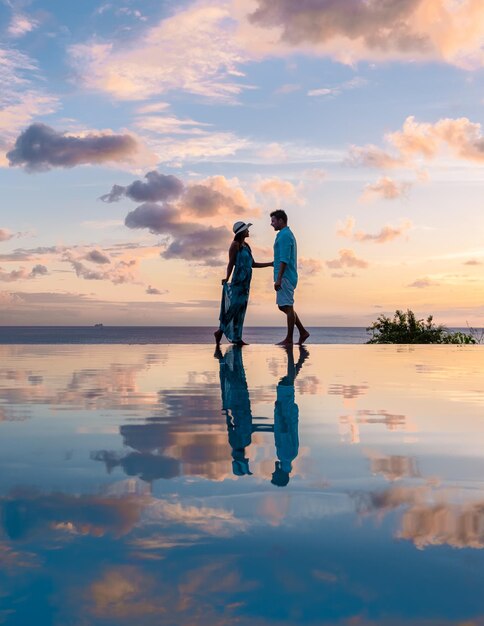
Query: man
[286, 418]
[285, 276]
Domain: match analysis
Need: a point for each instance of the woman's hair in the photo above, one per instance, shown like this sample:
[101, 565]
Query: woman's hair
[239, 237]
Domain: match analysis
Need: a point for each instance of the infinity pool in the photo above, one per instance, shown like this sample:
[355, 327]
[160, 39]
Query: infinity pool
[166, 484]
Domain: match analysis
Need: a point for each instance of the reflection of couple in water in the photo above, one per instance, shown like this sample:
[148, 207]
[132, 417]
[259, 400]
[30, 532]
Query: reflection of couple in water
[236, 406]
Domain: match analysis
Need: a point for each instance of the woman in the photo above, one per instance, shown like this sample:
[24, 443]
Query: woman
[235, 295]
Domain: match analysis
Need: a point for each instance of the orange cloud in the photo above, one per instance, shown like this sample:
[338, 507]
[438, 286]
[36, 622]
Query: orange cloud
[386, 234]
[309, 267]
[161, 60]
[423, 283]
[418, 141]
[424, 30]
[279, 189]
[385, 188]
[347, 258]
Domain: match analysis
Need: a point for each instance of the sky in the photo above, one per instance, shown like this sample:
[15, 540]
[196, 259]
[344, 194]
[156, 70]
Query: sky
[134, 133]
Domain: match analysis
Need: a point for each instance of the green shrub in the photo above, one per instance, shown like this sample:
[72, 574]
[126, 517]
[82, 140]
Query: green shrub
[406, 328]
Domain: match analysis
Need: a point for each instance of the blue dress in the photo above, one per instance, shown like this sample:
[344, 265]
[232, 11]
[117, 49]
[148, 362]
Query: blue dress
[235, 296]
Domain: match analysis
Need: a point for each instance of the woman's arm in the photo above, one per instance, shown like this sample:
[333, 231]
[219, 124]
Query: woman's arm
[271, 264]
[234, 248]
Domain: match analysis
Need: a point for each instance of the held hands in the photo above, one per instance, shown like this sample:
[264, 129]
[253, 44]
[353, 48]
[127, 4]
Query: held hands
[224, 280]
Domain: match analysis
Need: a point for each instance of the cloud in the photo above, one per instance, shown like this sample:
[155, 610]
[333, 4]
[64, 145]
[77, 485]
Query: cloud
[200, 147]
[385, 188]
[386, 234]
[324, 91]
[203, 244]
[428, 518]
[473, 262]
[5, 234]
[100, 266]
[288, 88]
[21, 24]
[158, 219]
[9, 299]
[309, 267]
[32, 254]
[161, 61]
[21, 100]
[374, 157]
[418, 142]
[96, 256]
[39, 270]
[216, 195]
[273, 152]
[189, 241]
[278, 189]
[316, 174]
[40, 147]
[51, 308]
[352, 31]
[157, 188]
[346, 258]
[22, 274]
[392, 421]
[423, 283]
[349, 392]
[152, 291]
[169, 124]
[23, 515]
[178, 204]
[343, 275]
[394, 467]
[354, 83]
[176, 140]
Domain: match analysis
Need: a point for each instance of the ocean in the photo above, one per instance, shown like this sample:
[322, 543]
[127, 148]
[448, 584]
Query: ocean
[167, 335]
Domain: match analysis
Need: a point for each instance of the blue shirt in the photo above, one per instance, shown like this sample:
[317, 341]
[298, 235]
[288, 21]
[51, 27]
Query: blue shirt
[285, 251]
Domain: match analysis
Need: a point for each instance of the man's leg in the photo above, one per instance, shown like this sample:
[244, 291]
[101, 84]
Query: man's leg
[303, 333]
[288, 310]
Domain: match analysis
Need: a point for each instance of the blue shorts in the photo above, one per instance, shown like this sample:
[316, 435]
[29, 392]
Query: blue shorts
[285, 295]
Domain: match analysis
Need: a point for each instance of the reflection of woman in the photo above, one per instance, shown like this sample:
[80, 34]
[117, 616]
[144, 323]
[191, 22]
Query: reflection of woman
[236, 406]
[235, 295]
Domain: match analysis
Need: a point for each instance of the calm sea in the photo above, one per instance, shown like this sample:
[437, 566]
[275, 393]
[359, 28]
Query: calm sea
[165, 334]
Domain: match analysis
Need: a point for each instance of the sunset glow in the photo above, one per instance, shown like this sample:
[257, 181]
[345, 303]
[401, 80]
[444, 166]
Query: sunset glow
[133, 134]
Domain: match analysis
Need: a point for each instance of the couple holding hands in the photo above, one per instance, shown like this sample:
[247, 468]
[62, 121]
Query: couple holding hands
[235, 295]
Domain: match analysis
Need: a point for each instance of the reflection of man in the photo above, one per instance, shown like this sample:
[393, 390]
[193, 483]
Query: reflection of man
[286, 418]
[236, 406]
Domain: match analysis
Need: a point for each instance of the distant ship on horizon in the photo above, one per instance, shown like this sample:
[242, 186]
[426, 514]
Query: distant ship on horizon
[98, 325]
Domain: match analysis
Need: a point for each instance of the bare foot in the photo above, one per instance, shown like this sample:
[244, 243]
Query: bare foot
[302, 337]
[284, 343]
[218, 336]
[240, 343]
